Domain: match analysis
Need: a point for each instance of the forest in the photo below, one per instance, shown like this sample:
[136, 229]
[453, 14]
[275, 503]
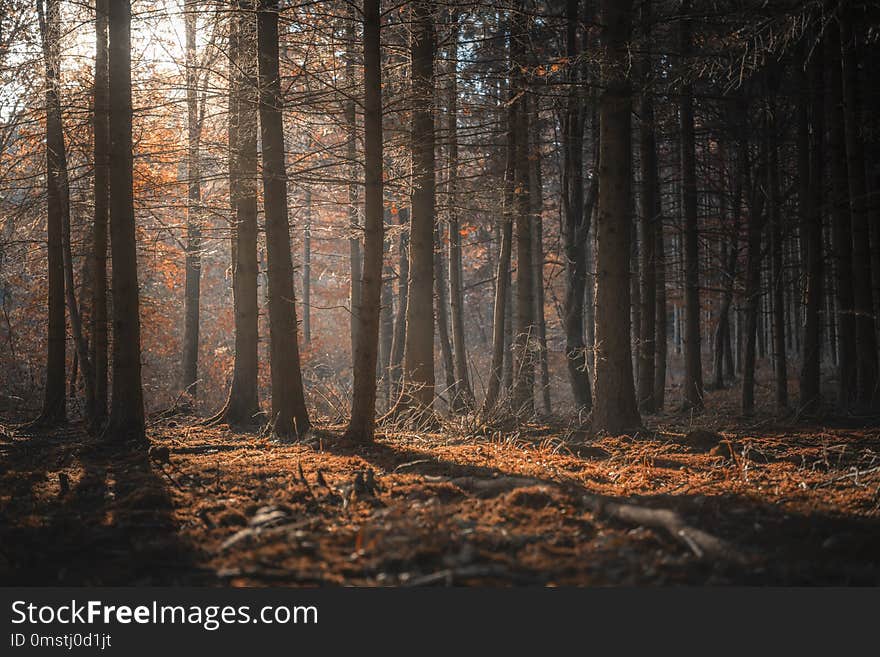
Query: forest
[439, 292]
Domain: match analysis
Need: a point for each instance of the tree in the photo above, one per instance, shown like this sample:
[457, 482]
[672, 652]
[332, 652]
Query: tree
[363, 410]
[419, 351]
[289, 414]
[193, 269]
[243, 404]
[576, 215]
[54, 401]
[463, 398]
[99, 344]
[841, 222]
[614, 408]
[693, 378]
[866, 336]
[650, 214]
[524, 330]
[127, 401]
[811, 152]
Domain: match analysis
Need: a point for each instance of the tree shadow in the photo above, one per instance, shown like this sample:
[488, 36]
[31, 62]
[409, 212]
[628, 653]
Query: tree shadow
[783, 547]
[79, 512]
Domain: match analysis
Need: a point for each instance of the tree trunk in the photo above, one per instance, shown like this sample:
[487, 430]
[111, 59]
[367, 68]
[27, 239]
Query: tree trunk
[193, 270]
[363, 410]
[419, 352]
[307, 272]
[464, 395]
[399, 341]
[661, 318]
[289, 414]
[524, 329]
[811, 153]
[722, 349]
[866, 336]
[650, 206]
[753, 272]
[614, 410]
[442, 312]
[775, 217]
[58, 186]
[501, 305]
[536, 197]
[127, 403]
[842, 224]
[354, 237]
[243, 404]
[576, 218]
[99, 344]
[54, 400]
[693, 380]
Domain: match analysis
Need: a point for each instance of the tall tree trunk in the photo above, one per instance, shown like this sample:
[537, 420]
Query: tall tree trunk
[660, 319]
[464, 395]
[419, 352]
[810, 206]
[650, 204]
[774, 216]
[99, 344]
[866, 336]
[354, 237]
[399, 341]
[193, 270]
[386, 320]
[753, 270]
[54, 400]
[502, 272]
[576, 217]
[524, 329]
[722, 349]
[58, 186]
[442, 313]
[127, 401]
[842, 223]
[693, 378]
[363, 410]
[289, 414]
[243, 403]
[614, 410]
[307, 271]
[536, 197]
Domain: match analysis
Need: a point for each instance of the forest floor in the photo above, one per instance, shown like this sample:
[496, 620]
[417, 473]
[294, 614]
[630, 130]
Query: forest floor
[757, 502]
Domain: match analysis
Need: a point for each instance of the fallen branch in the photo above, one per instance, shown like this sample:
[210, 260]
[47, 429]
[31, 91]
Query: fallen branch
[701, 543]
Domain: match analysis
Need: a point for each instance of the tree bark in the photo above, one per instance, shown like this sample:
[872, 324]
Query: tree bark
[650, 206]
[576, 217]
[54, 400]
[866, 336]
[363, 410]
[127, 402]
[99, 343]
[536, 197]
[524, 329]
[354, 237]
[242, 407]
[842, 224]
[193, 268]
[419, 352]
[693, 380]
[464, 395]
[614, 410]
[289, 414]
[811, 153]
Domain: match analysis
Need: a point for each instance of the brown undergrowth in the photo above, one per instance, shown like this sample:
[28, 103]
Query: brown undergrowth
[749, 503]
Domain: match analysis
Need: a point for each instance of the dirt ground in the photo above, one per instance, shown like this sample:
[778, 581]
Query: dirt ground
[752, 503]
